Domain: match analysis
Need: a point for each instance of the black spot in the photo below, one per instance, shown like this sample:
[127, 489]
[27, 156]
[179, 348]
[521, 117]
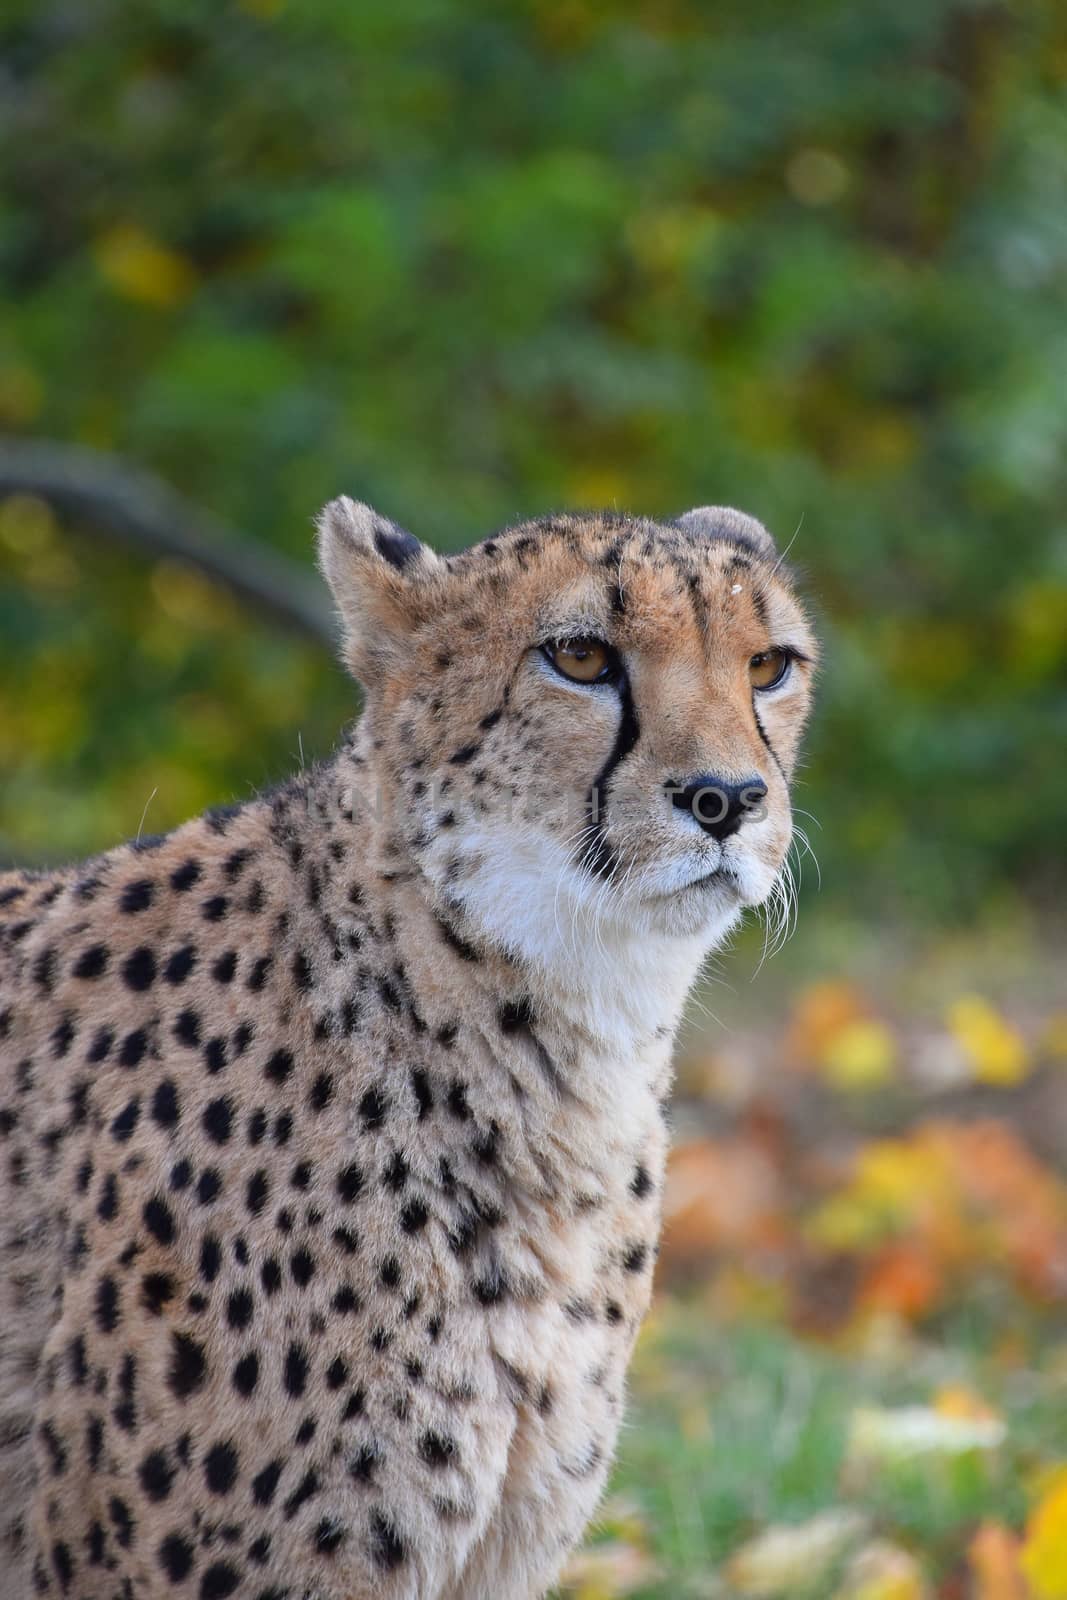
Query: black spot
[486, 1145]
[103, 1039]
[396, 1173]
[187, 1028]
[62, 1037]
[305, 1489]
[246, 1374]
[337, 1373]
[214, 909]
[133, 1048]
[63, 1565]
[270, 1276]
[515, 1014]
[349, 1182]
[224, 968]
[108, 1205]
[165, 1105]
[217, 1120]
[345, 1300]
[321, 1092]
[210, 1186]
[188, 1366]
[362, 1466]
[156, 1475]
[300, 1177]
[58, 1461]
[437, 1449]
[137, 896]
[125, 1122]
[279, 1066]
[389, 1272]
[219, 1581]
[465, 754]
[258, 975]
[107, 1305]
[414, 1216]
[235, 864]
[185, 876]
[420, 1082]
[180, 964]
[210, 1258]
[635, 1258]
[641, 1184]
[387, 1547]
[120, 1515]
[457, 1100]
[265, 1483]
[220, 1468]
[139, 969]
[346, 1240]
[156, 1289]
[92, 962]
[302, 972]
[329, 1536]
[490, 1289]
[239, 1308]
[302, 1267]
[159, 1220]
[215, 1055]
[296, 1370]
[44, 970]
[283, 1129]
[372, 1108]
[257, 1191]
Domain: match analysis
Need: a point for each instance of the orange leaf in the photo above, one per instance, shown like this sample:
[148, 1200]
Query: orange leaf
[994, 1558]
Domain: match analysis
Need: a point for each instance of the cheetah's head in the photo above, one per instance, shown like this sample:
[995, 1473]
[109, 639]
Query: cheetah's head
[585, 724]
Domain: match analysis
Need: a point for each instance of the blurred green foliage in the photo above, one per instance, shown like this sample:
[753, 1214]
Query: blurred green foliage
[476, 260]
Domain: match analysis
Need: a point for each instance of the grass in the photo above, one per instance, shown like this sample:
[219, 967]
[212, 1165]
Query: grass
[734, 1429]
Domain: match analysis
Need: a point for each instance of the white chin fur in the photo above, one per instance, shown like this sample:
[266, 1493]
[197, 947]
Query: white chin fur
[620, 964]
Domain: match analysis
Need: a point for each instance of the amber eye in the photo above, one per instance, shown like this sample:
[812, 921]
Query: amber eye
[768, 669]
[584, 660]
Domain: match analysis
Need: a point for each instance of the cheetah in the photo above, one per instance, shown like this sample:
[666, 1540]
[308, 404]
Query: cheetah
[333, 1123]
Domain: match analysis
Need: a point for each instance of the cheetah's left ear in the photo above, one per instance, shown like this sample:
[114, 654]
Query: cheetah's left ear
[723, 522]
[380, 577]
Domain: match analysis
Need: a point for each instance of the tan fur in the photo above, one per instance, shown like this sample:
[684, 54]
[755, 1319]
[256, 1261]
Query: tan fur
[331, 1126]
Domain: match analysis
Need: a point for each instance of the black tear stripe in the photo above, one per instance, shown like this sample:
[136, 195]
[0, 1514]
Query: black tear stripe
[597, 855]
[763, 735]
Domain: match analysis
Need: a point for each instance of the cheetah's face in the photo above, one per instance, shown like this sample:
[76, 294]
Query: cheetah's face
[585, 723]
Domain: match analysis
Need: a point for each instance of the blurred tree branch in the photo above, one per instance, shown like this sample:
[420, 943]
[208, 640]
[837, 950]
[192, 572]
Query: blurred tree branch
[138, 509]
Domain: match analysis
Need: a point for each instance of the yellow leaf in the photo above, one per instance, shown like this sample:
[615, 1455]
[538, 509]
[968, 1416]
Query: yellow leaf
[861, 1055]
[1044, 1555]
[996, 1051]
[956, 1400]
[140, 268]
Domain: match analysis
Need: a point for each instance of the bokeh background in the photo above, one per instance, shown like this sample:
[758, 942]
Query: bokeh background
[474, 261]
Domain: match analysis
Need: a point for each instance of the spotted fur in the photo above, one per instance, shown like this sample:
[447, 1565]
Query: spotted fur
[331, 1124]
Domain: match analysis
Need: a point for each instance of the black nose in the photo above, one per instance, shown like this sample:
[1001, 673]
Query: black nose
[719, 804]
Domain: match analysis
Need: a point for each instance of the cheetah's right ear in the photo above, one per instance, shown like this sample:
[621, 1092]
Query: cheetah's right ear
[381, 578]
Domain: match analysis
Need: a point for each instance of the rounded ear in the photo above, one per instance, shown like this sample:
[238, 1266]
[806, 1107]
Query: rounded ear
[378, 575]
[723, 522]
